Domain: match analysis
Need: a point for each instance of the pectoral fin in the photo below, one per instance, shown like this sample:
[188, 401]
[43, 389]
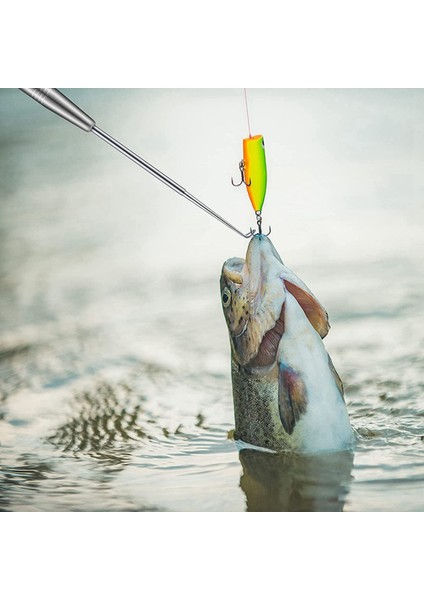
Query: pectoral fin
[292, 397]
[315, 312]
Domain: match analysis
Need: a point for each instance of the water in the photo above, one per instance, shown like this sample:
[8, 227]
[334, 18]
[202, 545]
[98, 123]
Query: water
[114, 359]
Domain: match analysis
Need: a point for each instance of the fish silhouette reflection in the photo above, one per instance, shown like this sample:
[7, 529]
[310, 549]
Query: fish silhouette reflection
[295, 482]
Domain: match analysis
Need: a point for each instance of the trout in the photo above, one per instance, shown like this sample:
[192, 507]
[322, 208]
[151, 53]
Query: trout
[287, 394]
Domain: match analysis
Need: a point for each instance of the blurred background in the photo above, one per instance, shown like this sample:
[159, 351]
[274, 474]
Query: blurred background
[114, 356]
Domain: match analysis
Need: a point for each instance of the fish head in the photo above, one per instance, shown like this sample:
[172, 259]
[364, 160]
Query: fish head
[253, 292]
[252, 296]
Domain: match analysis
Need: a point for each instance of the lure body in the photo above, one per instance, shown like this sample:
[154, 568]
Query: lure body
[255, 175]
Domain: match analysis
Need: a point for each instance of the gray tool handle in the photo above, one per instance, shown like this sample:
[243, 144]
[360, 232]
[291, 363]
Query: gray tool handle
[55, 101]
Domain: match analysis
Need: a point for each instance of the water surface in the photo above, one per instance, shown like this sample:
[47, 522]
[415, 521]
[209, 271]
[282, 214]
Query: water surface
[114, 359]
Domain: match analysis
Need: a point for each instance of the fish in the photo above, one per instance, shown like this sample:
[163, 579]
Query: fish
[287, 393]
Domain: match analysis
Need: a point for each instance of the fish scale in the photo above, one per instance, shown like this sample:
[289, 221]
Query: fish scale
[257, 419]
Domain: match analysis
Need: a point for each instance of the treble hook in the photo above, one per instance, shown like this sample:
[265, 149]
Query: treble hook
[258, 214]
[241, 167]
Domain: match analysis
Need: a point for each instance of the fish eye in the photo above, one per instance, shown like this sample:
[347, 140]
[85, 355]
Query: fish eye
[226, 297]
[263, 143]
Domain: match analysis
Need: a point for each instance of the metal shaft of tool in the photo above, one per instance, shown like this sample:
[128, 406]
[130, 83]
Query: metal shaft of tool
[162, 177]
[57, 102]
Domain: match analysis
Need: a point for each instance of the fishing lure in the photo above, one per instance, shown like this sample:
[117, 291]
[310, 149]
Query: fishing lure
[253, 173]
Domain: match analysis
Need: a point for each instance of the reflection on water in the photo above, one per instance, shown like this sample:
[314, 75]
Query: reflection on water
[288, 482]
[28, 474]
[103, 424]
[115, 389]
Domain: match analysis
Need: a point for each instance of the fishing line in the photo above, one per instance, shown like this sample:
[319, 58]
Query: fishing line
[247, 112]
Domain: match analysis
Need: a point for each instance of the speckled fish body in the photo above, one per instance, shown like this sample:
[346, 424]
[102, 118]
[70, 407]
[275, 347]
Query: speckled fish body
[287, 393]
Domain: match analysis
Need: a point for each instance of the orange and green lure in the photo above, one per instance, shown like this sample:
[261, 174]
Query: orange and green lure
[253, 173]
